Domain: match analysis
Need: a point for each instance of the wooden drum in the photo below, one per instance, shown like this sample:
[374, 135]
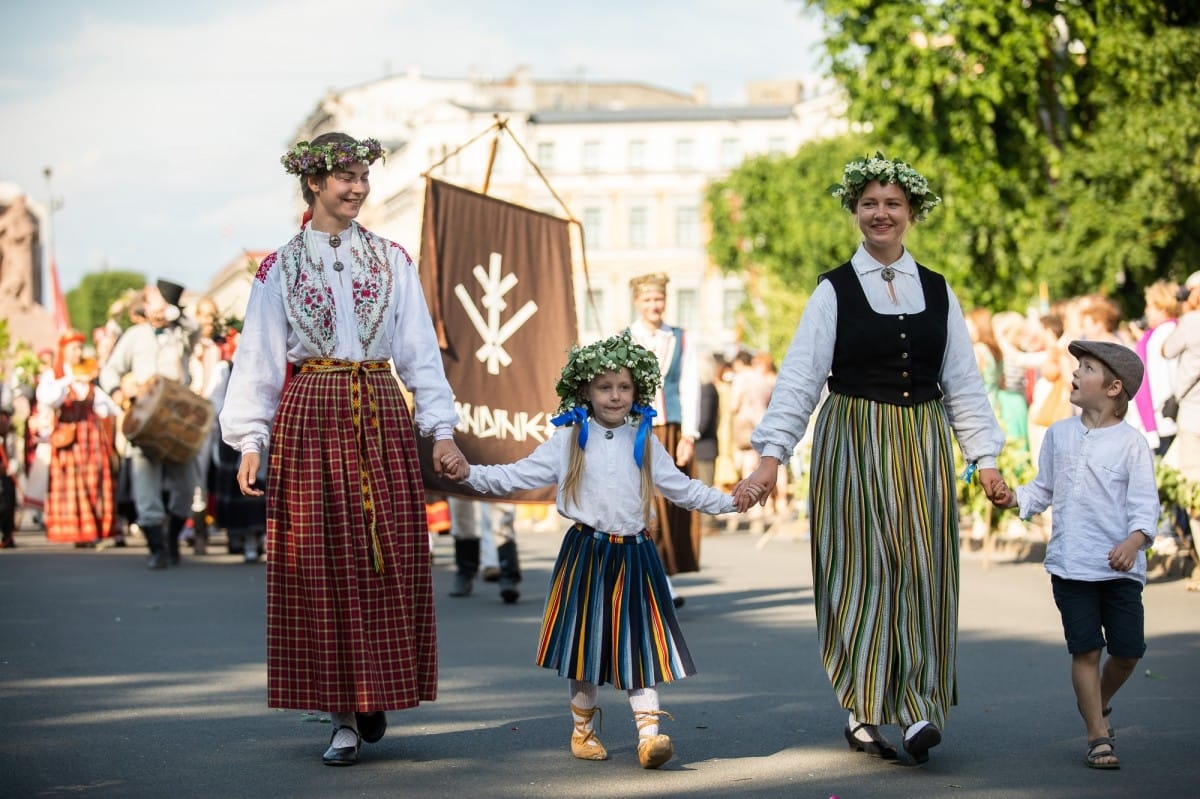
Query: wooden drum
[168, 422]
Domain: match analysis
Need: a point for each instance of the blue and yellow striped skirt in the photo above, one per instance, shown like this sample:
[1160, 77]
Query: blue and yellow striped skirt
[609, 616]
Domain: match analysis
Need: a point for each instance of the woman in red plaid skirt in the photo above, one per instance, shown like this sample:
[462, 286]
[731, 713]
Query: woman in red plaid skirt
[350, 612]
[80, 503]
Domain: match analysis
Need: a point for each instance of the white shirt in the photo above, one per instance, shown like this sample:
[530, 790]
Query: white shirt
[809, 358]
[610, 489]
[270, 341]
[661, 342]
[1101, 484]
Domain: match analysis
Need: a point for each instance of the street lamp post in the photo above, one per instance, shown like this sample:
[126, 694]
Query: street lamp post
[49, 268]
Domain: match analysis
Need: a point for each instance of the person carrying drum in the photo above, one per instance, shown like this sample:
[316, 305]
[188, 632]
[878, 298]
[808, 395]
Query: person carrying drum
[159, 347]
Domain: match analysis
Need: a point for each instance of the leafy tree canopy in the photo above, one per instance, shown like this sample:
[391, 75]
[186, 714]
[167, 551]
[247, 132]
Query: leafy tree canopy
[88, 303]
[1062, 136]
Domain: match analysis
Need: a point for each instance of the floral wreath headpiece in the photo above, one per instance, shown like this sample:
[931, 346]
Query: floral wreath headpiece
[610, 354]
[861, 171]
[310, 159]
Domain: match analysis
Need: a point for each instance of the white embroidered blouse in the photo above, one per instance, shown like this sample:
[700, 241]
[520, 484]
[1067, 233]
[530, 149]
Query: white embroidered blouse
[301, 308]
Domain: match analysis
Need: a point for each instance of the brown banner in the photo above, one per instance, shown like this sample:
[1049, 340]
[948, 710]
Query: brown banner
[497, 278]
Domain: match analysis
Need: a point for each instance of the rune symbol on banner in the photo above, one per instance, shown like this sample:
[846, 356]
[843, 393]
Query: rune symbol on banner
[492, 331]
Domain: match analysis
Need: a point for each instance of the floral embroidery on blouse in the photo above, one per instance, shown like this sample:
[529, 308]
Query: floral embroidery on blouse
[309, 299]
[265, 267]
[373, 284]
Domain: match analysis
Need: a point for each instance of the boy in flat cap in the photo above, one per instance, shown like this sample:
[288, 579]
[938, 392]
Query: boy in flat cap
[1098, 473]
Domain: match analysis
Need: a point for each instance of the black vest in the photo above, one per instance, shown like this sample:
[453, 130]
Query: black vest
[895, 359]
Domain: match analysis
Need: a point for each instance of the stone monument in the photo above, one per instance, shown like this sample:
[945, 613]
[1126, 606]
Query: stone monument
[19, 284]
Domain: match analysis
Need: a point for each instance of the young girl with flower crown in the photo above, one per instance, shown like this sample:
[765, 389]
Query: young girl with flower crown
[609, 616]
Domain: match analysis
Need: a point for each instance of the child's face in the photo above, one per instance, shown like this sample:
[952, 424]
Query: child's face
[1087, 386]
[611, 397]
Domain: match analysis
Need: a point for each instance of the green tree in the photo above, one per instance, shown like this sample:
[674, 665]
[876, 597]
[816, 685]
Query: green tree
[88, 302]
[1021, 113]
[774, 221]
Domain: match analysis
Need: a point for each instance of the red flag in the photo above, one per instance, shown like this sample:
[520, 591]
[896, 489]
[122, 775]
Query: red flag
[62, 319]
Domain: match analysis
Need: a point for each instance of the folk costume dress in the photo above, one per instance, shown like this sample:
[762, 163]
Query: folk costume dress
[608, 616]
[350, 610]
[902, 378]
[676, 530]
[81, 501]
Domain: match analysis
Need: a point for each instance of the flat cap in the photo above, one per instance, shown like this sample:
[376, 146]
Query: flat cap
[1122, 361]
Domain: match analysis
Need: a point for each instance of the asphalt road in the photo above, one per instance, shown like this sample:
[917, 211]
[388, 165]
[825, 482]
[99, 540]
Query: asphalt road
[120, 682]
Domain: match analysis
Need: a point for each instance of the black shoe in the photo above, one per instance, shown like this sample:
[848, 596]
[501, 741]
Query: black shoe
[158, 560]
[508, 591]
[342, 755]
[878, 746]
[919, 745]
[462, 585]
[678, 601]
[371, 726]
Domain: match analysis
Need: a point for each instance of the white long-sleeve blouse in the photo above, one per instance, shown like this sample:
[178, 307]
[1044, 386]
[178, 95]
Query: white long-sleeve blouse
[809, 359]
[610, 490]
[372, 310]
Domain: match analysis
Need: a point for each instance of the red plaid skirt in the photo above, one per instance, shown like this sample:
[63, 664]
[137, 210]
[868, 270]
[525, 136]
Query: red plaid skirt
[350, 612]
[80, 501]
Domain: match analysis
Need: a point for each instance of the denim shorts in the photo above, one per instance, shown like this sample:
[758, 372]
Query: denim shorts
[1105, 612]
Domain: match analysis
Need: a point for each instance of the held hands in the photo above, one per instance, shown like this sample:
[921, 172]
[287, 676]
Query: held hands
[449, 462]
[757, 487]
[995, 489]
[248, 474]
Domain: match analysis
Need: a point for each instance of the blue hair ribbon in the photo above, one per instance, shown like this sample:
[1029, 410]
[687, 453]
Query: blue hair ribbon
[577, 415]
[639, 443]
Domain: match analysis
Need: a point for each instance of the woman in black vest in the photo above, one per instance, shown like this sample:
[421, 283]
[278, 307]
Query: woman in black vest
[889, 337]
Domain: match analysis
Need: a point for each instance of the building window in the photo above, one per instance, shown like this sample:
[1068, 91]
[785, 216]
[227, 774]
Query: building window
[593, 312]
[731, 153]
[593, 227]
[687, 307]
[639, 227]
[591, 156]
[637, 155]
[685, 154]
[687, 227]
[731, 304]
[545, 155]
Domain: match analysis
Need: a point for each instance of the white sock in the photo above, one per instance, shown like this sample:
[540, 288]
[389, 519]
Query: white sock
[583, 696]
[344, 737]
[645, 699]
[859, 734]
[914, 729]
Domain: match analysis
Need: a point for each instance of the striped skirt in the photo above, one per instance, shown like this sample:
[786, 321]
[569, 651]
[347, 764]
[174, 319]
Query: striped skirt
[885, 558]
[350, 610]
[609, 616]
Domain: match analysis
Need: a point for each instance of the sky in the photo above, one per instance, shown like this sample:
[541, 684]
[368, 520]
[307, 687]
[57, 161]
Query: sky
[162, 123]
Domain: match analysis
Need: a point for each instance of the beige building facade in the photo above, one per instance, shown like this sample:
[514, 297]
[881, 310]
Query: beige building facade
[630, 162]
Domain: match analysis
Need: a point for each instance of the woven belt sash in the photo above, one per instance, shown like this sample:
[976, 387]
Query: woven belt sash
[358, 372]
[612, 538]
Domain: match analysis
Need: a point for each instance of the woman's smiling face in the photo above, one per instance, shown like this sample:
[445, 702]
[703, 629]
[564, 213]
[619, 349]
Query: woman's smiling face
[883, 215]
